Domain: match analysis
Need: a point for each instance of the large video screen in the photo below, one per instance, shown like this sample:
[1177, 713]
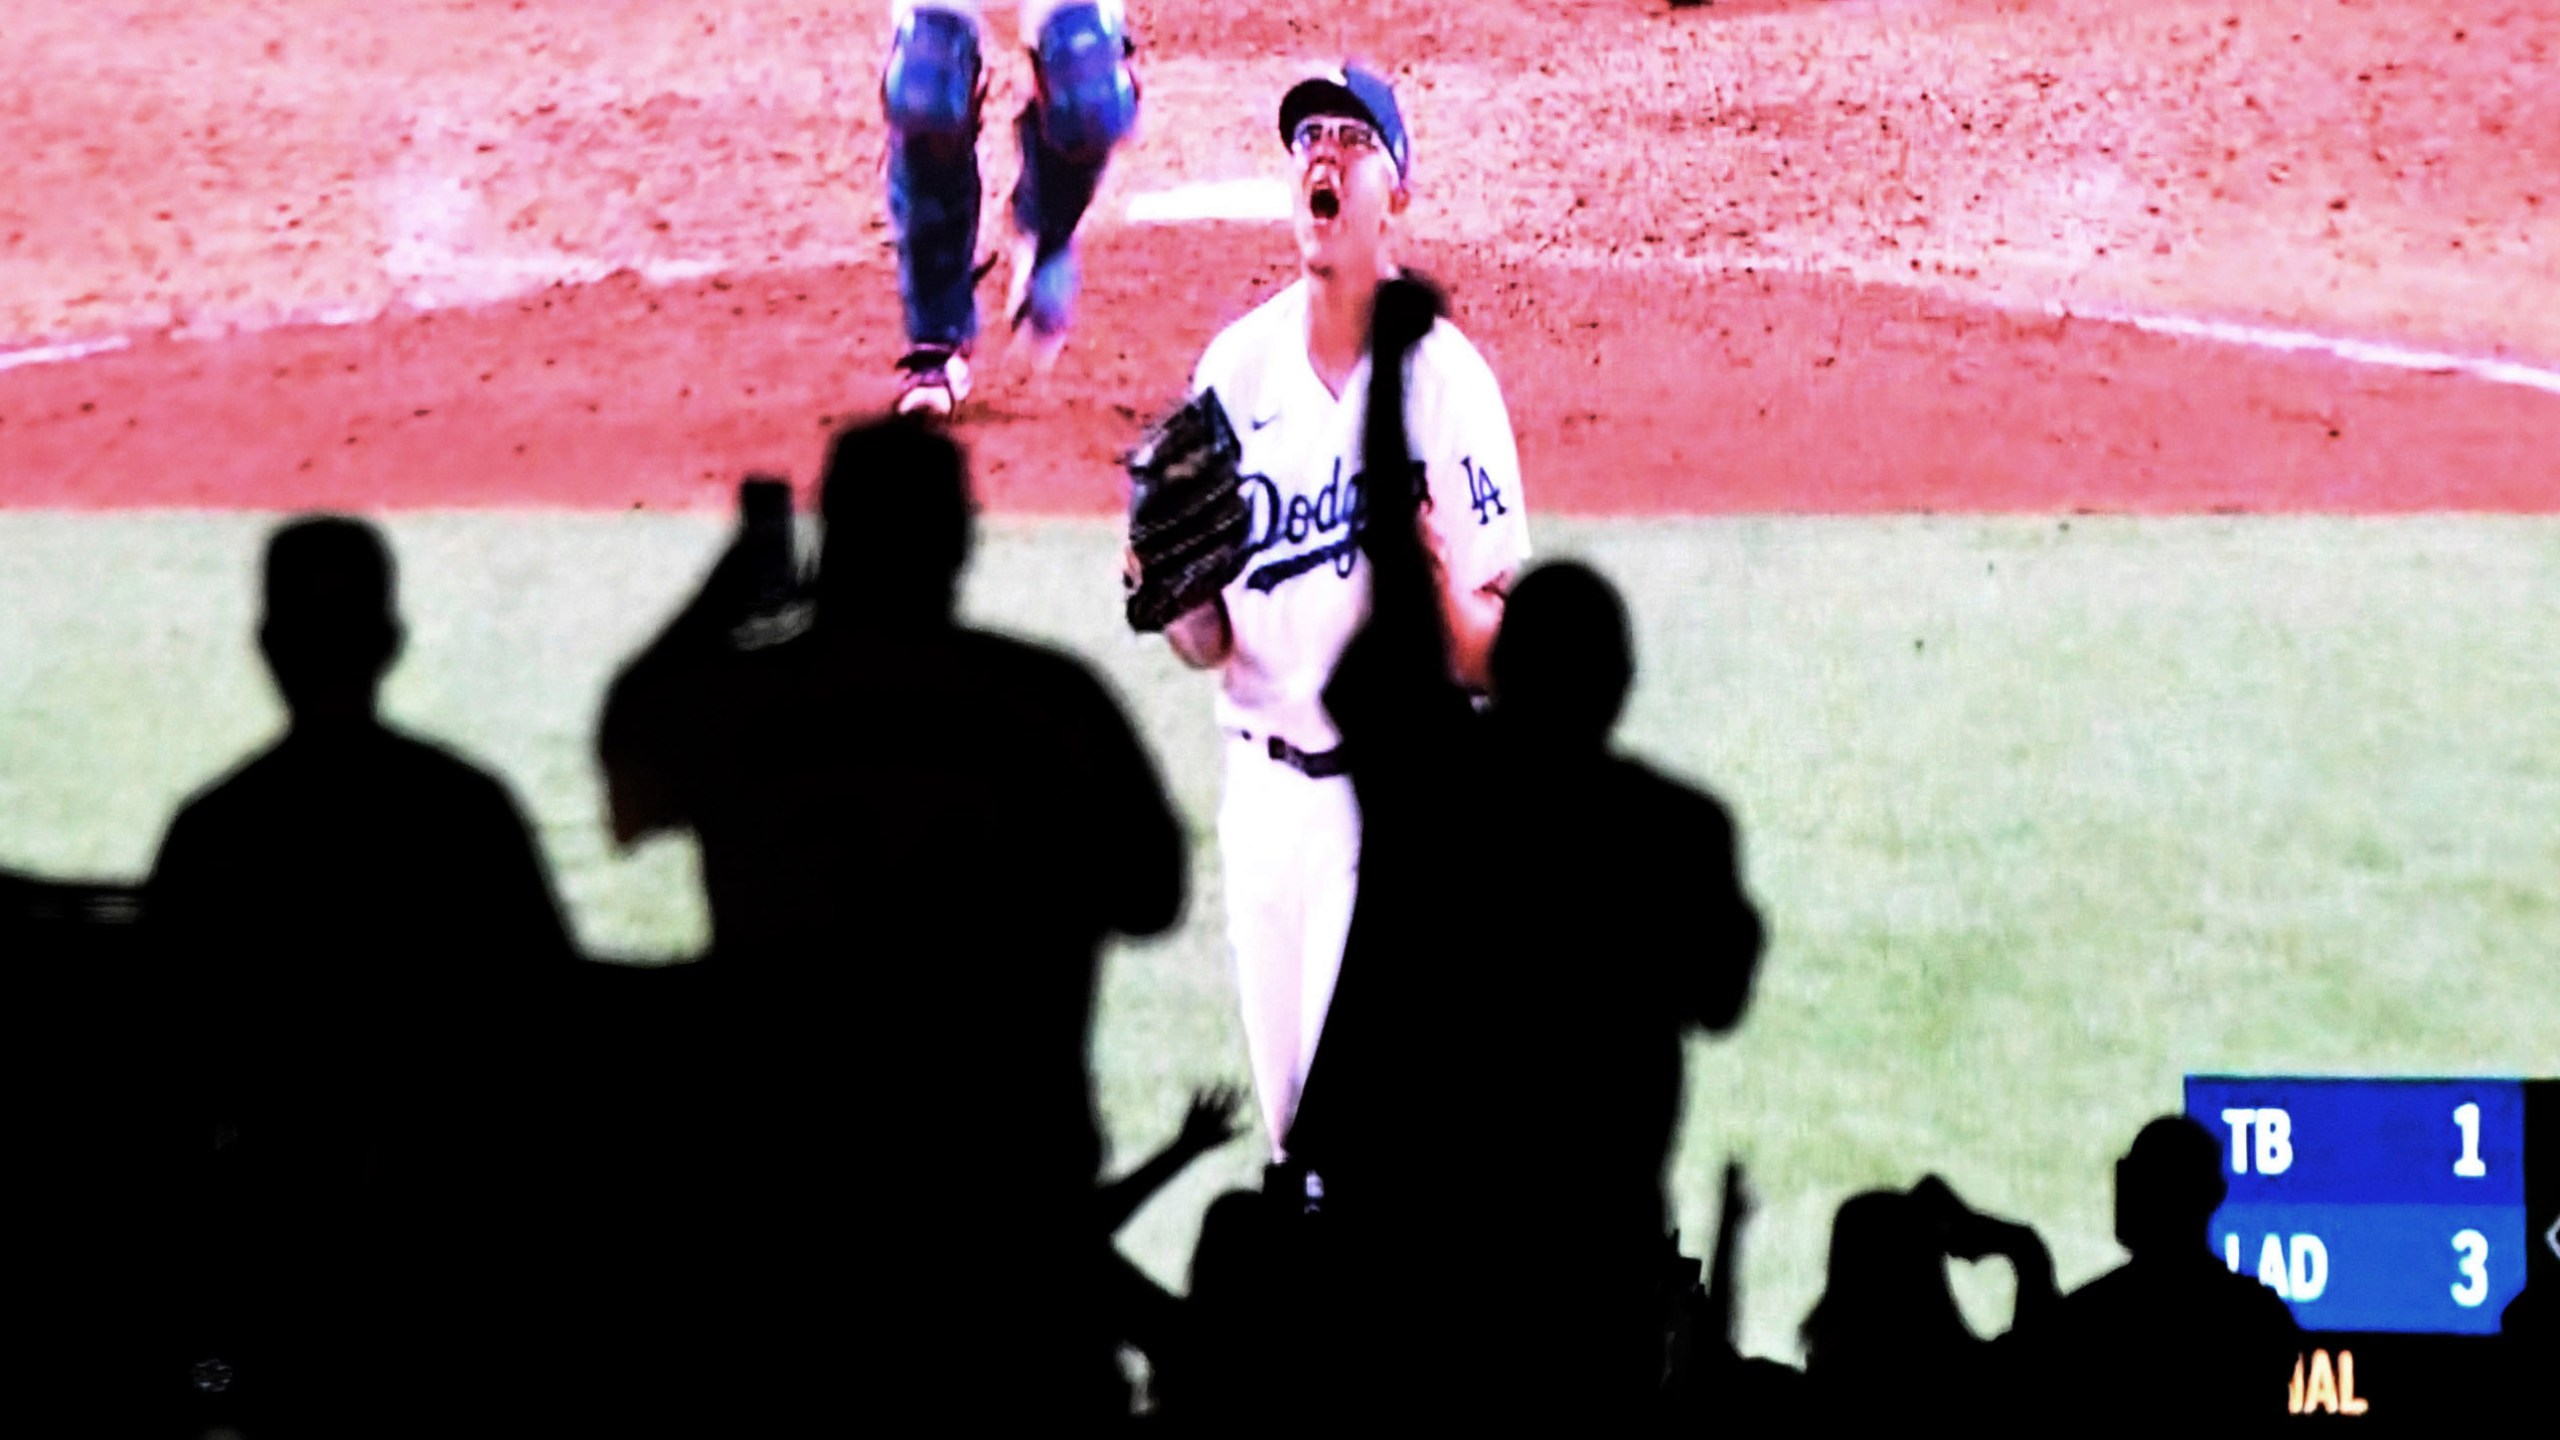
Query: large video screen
[2080, 475]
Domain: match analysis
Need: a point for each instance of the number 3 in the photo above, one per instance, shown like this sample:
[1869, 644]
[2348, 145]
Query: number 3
[2473, 1287]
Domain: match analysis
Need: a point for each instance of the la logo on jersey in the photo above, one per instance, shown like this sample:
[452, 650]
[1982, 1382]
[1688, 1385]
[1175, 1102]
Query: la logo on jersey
[1482, 493]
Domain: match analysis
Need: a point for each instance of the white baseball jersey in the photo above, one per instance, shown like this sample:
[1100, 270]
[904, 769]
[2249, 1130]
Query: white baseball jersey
[1291, 843]
[1304, 589]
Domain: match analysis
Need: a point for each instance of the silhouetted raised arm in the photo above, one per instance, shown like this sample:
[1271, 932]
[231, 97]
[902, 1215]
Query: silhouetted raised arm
[1208, 1124]
[1392, 688]
[649, 708]
[1972, 1235]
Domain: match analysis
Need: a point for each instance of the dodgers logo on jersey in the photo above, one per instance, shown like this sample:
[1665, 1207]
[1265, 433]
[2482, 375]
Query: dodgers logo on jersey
[1333, 516]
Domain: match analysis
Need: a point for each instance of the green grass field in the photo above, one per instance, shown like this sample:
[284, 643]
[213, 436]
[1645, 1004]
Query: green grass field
[2044, 815]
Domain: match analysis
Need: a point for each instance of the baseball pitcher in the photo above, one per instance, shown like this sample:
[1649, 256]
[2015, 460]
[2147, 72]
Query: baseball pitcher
[1263, 580]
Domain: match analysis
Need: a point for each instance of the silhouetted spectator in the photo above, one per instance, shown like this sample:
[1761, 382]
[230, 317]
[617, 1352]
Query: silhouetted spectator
[1144, 1313]
[2212, 1347]
[1383, 1139]
[101, 1158]
[916, 837]
[1887, 1347]
[2526, 1350]
[362, 920]
[1524, 892]
[1625, 929]
[1250, 1321]
[2522, 1319]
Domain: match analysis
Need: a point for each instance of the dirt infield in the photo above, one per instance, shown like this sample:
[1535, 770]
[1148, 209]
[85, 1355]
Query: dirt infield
[1749, 256]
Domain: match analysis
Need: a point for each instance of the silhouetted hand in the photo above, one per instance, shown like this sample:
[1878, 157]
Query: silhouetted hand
[1958, 1229]
[1211, 1121]
[1968, 1234]
[1405, 638]
[1405, 310]
[1739, 1200]
[1716, 1300]
[1945, 1210]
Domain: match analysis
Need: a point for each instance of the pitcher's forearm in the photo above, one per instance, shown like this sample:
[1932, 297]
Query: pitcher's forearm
[1202, 639]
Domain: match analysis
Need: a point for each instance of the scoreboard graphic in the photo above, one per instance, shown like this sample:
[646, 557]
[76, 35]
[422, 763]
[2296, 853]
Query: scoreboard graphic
[2399, 1219]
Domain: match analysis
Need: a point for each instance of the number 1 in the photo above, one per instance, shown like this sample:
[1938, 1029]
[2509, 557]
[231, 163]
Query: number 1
[2470, 1166]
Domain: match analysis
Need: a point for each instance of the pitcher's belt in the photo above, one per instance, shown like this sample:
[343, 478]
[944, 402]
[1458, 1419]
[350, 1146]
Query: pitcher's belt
[1314, 764]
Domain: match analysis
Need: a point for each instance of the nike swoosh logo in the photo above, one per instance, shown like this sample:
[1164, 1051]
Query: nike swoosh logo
[1258, 421]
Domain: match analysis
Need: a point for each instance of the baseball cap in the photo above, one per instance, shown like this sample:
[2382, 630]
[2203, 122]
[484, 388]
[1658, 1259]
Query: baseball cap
[1360, 94]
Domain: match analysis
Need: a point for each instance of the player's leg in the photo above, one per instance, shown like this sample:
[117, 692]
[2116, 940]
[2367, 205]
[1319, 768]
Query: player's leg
[1255, 842]
[930, 92]
[1330, 859]
[1085, 103]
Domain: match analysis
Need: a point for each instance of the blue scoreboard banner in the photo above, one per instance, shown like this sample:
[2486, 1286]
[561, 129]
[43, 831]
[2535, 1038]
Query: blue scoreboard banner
[2400, 1219]
[2378, 1206]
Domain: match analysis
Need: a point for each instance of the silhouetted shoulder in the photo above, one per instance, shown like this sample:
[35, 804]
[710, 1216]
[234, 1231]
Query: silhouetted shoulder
[2198, 1295]
[314, 829]
[1669, 822]
[1075, 730]
[2209, 1344]
[1693, 810]
[2524, 1316]
[204, 837]
[377, 762]
[1051, 670]
[442, 777]
[1042, 686]
[2253, 1306]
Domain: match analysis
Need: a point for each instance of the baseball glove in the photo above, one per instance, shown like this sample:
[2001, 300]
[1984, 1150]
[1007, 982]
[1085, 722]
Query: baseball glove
[1188, 522]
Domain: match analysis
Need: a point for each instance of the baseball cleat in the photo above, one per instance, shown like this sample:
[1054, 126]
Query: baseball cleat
[1039, 339]
[1041, 346]
[1026, 262]
[935, 381]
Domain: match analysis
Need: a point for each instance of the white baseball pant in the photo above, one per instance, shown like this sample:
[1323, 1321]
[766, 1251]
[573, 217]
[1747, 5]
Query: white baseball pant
[1291, 851]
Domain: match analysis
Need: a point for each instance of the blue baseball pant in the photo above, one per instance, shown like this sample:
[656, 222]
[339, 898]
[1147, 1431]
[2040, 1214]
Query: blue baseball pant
[1085, 104]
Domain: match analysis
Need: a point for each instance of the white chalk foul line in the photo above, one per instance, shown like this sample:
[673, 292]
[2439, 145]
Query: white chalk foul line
[1206, 200]
[482, 279]
[56, 354]
[2361, 352]
[438, 279]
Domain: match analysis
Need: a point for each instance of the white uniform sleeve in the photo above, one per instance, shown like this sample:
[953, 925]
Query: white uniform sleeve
[1225, 366]
[1478, 523]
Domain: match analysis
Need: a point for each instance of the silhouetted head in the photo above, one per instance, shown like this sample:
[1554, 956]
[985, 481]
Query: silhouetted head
[900, 522]
[330, 629]
[1563, 659]
[2167, 1188]
[1233, 1253]
[1886, 1297]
